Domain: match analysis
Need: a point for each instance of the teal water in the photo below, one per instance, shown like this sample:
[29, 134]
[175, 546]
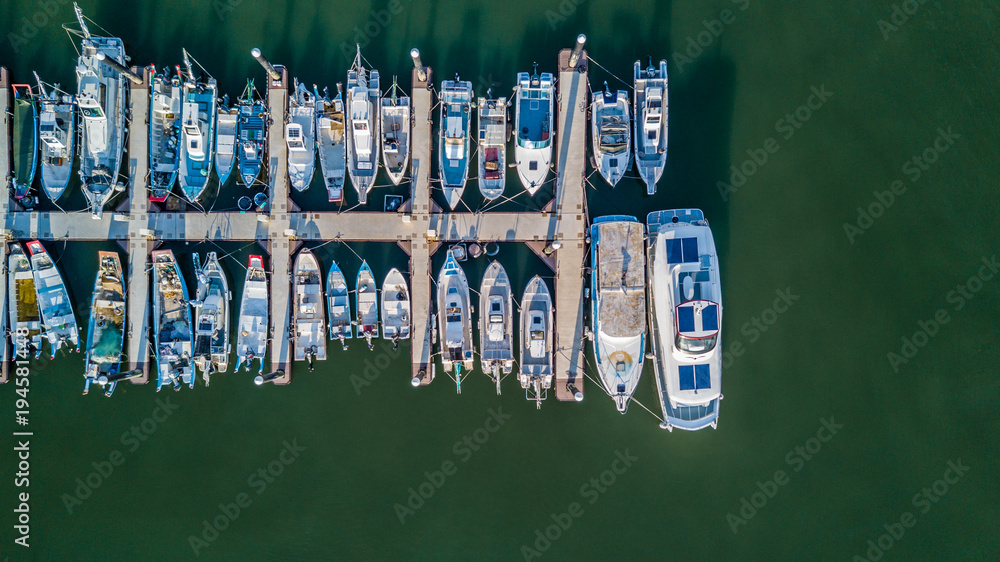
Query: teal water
[863, 292]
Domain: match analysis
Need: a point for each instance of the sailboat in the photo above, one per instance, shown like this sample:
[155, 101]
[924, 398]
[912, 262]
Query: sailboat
[58, 320]
[610, 134]
[618, 295]
[310, 333]
[685, 318]
[106, 331]
[533, 122]
[172, 333]
[331, 142]
[164, 133]
[22, 305]
[496, 330]
[455, 319]
[101, 92]
[226, 118]
[651, 103]
[492, 146]
[56, 131]
[395, 124]
[536, 340]
[395, 307]
[211, 316]
[300, 137]
[341, 327]
[197, 131]
[251, 134]
[366, 294]
[252, 341]
[453, 140]
[363, 95]
[24, 141]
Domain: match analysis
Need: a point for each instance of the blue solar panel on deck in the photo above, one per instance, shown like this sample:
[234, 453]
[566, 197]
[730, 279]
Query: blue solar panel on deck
[690, 249]
[686, 373]
[685, 319]
[710, 318]
[702, 379]
[674, 251]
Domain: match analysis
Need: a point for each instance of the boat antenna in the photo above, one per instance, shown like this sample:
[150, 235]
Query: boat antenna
[79, 18]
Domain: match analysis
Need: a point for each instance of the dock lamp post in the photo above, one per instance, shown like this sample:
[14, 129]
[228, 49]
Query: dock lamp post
[271, 71]
[577, 50]
[415, 55]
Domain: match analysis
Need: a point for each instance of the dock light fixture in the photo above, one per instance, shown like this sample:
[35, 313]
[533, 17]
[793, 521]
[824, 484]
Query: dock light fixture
[574, 59]
[271, 71]
[577, 395]
[418, 65]
[556, 244]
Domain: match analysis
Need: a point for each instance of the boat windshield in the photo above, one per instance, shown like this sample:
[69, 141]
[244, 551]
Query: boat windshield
[696, 345]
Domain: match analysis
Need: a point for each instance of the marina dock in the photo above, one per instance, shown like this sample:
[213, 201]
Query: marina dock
[6, 167]
[419, 227]
[139, 244]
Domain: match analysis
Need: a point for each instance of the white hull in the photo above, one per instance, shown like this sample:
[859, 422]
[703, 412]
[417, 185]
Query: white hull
[492, 147]
[332, 146]
[363, 96]
[650, 89]
[366, 293]
[533, 129]
[58, 320]
[300, 137]
[453, 139]
[618, 292]
[536, 340]
[455, 319]
[496, 330]
[685, 317]
[395, 126]
[251, 341]
[339, 301]
[198, 114]
[309, 314]
[610, 135]
[395, 307]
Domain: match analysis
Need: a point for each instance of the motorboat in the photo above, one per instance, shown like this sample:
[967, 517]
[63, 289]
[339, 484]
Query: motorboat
[618, 298]
[496, 324]
[685, 318]
[650, 89]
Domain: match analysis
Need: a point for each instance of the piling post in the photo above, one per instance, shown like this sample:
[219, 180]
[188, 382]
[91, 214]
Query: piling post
[418, 65]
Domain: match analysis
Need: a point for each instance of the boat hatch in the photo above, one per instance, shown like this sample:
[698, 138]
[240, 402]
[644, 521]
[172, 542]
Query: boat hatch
[694, 377]
[698, 319]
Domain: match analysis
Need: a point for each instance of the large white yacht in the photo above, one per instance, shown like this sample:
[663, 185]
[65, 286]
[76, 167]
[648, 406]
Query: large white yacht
[618, 291]
[685, 316]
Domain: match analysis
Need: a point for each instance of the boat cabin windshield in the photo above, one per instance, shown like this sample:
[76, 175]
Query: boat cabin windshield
[696, 345]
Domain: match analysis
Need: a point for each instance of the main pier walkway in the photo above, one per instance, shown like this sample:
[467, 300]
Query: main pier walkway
[420, 227]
